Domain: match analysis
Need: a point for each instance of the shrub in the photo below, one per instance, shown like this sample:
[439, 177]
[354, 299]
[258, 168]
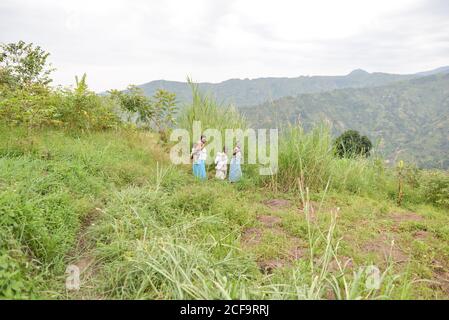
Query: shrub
[435, 187]
[351, 144]
[83, 109]
[39, 106]
[13, 282]
[34, 107]
[156, 112]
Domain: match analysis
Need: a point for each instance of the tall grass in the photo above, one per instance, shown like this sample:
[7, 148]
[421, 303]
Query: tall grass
[158, 243]
[211, 113]
[310, 157]
[305, 156]
[50, 183]
[341, 283]
[163, 244]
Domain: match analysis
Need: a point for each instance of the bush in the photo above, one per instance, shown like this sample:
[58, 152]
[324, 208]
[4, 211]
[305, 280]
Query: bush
[12, 283]
[83, 109]
[39, 106]
[34, 107]
[351, 144]
[156, 112]
[435, 187]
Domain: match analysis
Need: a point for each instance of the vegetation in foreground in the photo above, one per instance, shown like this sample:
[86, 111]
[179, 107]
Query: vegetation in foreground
[139, 228]
[97, 192]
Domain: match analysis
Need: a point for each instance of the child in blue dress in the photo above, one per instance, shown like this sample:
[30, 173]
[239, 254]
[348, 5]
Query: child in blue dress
[235, 171]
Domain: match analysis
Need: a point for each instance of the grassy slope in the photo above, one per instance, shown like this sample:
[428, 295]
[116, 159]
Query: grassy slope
[110, 203]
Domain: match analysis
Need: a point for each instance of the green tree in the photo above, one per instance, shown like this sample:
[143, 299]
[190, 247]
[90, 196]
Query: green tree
[156, 112]
[164, 104]
[134, 103]
[24, 65]
[352, 144]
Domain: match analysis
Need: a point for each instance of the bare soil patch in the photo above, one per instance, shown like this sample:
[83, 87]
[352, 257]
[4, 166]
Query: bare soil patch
[88, 221]
[82, 252]
[277, 203]
[269, 221]
[297, 252]
[268, 266]
[399, 217]
[314, 208]
[345, 263]
[252, 236]
[84, 264]
[441, 275]
[385, 249]
[421, 235]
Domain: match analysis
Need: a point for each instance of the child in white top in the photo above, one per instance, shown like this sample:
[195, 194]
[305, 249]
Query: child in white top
[221, 165]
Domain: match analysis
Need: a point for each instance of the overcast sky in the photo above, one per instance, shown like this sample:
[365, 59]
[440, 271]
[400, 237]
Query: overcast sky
[118, 42]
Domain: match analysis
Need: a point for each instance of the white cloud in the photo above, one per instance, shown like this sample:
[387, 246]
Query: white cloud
[120, 42]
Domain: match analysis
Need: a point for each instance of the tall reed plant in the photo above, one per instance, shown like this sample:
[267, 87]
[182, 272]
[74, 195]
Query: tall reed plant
[310, 157]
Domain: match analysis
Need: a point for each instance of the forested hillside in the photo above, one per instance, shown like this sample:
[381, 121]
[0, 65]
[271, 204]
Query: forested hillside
[408, 119]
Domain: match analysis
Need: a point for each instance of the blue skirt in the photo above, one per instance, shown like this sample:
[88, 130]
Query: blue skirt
[235, 171]
[199, 169]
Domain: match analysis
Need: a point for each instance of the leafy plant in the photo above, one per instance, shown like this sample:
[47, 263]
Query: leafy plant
[435, 187]
[12, 282]
[82, 109]
[164, 104]
[156, 112]
[23, 65]
[351, 144]
[74, 109]
[31, 108]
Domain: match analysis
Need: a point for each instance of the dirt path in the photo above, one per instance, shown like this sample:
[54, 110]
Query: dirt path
[82, 258]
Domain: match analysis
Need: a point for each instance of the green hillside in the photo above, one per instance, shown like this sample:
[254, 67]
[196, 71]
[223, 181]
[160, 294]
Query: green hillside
[137, 227]
[408, 119]
[246, 92]
[93, 206]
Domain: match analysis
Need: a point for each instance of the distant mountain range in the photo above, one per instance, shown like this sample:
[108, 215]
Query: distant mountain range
[409, 119]
[406, 115]
[246, 92]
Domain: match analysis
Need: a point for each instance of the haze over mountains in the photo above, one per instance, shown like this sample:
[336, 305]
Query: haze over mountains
[407, 116]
